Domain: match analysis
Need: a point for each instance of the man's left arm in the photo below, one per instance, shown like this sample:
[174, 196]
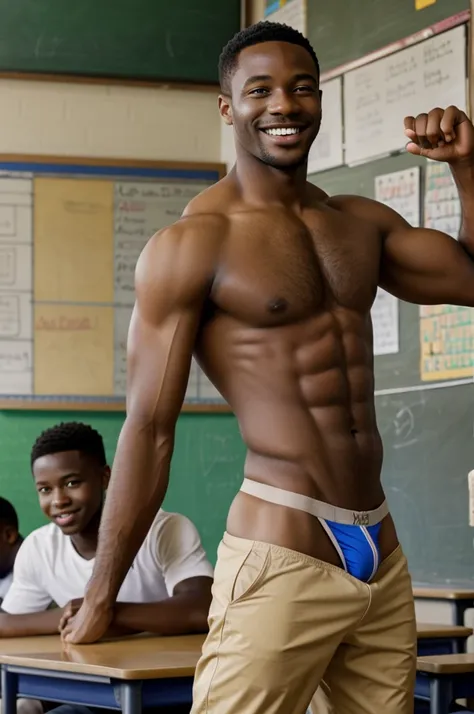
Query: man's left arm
[182, 562]
[187, 573]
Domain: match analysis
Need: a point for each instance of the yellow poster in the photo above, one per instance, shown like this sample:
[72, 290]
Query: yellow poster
[74, 350]
[421, 4]
[446, 342]
[74, 240]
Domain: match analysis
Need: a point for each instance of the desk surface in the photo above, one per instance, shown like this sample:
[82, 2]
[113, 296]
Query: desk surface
[446, 664]
[143, 657]
[441, 592]
[426, 630]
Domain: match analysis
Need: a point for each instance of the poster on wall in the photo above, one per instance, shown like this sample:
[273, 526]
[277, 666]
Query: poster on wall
[446, 331]
[289, 12]
[399, 190]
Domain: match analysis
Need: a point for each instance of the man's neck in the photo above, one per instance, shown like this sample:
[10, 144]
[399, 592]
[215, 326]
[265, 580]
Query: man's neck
[263, 184]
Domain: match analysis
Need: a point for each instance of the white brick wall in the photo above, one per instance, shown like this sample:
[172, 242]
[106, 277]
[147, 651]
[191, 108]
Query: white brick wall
[108, 121]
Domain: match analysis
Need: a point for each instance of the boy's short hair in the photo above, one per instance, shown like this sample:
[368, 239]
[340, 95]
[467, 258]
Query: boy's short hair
[70, 436]
[8, 515]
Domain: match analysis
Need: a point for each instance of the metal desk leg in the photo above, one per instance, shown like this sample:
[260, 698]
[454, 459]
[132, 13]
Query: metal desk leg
[130, 697]
[9, 691]
[441, 695]
[460, 608]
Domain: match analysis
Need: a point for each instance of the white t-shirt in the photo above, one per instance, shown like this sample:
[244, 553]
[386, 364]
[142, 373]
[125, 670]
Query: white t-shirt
[49, 569]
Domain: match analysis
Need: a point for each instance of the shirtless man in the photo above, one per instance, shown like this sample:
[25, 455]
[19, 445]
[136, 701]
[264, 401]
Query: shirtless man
[270, 282]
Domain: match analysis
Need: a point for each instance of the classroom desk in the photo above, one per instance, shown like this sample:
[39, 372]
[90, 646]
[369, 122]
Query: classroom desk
[441, 639]
[444, 678]
[460, 599]
[124, 674]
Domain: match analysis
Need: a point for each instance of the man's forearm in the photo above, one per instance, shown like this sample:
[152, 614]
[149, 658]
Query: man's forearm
[37, 623]
[139, 481]
[178, 615]
[463, 174]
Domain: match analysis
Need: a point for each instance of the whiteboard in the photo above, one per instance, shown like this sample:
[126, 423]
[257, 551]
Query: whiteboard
[64, 319]
[327, 150]
[378, 96]
[291, 12]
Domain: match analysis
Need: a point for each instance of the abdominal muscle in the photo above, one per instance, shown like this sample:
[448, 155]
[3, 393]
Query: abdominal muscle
[307, 430]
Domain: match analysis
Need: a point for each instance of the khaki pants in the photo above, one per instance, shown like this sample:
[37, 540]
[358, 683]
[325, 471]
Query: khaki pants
[281, 622]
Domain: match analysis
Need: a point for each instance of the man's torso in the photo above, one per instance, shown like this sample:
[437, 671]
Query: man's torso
[286, 336]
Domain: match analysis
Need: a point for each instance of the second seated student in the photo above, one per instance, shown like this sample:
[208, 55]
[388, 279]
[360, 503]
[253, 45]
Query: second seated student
[10, 542]
[167, 590]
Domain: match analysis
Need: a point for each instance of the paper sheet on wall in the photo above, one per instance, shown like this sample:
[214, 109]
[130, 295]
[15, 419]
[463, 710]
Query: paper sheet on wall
[446, 331]
[291, 12]
[327, 150]
[378, 96]
[16, 285]
[401, 191]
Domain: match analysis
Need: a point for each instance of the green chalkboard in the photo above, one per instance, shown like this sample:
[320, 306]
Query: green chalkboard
[344, 30]
[207, 467]
[150, 40]
[428, 452]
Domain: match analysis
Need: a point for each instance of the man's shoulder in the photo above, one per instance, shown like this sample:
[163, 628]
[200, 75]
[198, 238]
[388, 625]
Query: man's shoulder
[366, 209]
[205, 218]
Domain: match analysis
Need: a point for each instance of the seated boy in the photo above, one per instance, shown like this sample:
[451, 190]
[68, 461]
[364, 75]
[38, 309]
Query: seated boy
[166, 591]
[10, 541]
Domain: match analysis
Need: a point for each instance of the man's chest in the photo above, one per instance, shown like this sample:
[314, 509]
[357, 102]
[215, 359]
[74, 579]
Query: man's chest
[276, 269]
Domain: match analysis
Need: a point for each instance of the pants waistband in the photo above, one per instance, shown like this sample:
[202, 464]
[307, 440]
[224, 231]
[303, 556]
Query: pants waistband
[319, 509]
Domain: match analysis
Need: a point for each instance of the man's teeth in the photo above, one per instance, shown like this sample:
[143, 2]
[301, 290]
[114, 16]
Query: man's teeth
[282, 132]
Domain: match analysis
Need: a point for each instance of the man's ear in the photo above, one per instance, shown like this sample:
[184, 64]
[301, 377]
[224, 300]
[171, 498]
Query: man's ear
[225, 109]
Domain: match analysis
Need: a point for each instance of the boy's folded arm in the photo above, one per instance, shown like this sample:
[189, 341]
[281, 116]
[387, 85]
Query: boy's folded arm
[35, 623]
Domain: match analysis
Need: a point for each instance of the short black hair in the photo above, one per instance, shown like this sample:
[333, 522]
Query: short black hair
[8, 515]
[70, 436]
[254, 35]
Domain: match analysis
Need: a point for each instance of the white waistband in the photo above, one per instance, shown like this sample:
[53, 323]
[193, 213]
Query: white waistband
[319, 509]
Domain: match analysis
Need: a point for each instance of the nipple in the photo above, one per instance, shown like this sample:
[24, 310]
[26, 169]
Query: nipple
[278, 305]
[354, 432]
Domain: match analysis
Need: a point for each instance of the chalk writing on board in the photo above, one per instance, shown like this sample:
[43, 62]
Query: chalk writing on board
[378, 96]
[446, 331]
[141, 209]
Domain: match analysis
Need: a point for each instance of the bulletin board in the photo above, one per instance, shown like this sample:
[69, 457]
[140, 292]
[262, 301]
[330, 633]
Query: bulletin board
[71, 231]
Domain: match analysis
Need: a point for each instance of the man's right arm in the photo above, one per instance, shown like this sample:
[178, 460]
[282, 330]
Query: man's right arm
[173, 279]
